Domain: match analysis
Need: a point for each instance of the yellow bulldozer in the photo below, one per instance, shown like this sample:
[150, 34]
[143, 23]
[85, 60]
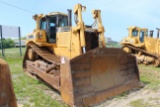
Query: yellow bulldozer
[7, 96]
[75, 61]
[143, 46]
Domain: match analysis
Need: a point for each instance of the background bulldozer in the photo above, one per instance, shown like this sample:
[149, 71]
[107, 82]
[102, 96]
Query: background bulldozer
[75, 61]
[7, 96]
[144, 47]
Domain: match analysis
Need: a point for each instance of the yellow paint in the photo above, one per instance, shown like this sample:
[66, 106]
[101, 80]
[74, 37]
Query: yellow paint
[149, 44]
[68, 43]
[101, 30]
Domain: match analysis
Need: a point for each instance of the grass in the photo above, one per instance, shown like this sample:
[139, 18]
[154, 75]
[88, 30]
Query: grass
[139, 103]
[29, 92]
[150, 76]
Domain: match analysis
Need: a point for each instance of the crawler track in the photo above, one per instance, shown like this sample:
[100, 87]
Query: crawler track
[46, 63]
[156, 57]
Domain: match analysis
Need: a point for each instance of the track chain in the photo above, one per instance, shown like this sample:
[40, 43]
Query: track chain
[155, 56]
[45, 54]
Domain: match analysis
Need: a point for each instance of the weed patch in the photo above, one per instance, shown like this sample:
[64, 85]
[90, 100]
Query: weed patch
[139, 103]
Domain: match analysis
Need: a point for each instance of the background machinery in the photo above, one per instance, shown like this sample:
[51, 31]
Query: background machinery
[73, 61]
[7, 96]
[144, 47]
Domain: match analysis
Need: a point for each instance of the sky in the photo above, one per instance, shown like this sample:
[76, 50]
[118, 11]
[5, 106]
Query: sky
[117, 15]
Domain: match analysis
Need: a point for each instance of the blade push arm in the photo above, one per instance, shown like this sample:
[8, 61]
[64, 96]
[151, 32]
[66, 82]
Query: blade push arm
[101, 30]
[80, 25]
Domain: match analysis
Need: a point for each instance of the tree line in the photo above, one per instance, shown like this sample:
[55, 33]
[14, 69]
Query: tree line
[7, 43]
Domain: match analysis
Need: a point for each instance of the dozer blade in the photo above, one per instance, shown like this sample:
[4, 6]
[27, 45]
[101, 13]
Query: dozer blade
[97, 75]
[7, 96]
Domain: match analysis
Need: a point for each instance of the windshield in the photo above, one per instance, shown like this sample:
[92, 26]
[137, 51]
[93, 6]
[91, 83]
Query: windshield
[62, 21]
[135, 33]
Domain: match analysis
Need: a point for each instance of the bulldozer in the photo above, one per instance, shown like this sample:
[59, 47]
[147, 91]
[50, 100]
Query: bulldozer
[143, 46]
[7, 96]
[75, 61]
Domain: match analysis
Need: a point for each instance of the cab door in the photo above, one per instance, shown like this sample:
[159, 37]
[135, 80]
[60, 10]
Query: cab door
[51, 29]
[141, 36]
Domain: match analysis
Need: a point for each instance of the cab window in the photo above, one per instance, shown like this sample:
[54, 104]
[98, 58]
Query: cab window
[135, 33]
[43, 24]
[141, 36]
[52, 21]
[62, 21]
[52, 29]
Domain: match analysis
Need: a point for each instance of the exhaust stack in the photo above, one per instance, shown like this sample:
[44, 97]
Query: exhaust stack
[69, 17]
[158, 32]
[151, 33]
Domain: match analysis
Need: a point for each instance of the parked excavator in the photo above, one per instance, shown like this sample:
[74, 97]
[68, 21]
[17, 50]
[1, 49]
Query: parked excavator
[145, 48]
[75, 61]
[7, 96]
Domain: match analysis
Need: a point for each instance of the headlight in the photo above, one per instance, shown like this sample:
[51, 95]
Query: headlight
[131, 41]
[124, 40]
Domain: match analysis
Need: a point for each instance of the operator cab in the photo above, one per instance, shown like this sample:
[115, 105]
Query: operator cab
[50, 23]
[140, 33]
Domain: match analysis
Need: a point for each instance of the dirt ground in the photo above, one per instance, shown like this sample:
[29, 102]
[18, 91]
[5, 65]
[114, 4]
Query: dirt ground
[147, 96]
